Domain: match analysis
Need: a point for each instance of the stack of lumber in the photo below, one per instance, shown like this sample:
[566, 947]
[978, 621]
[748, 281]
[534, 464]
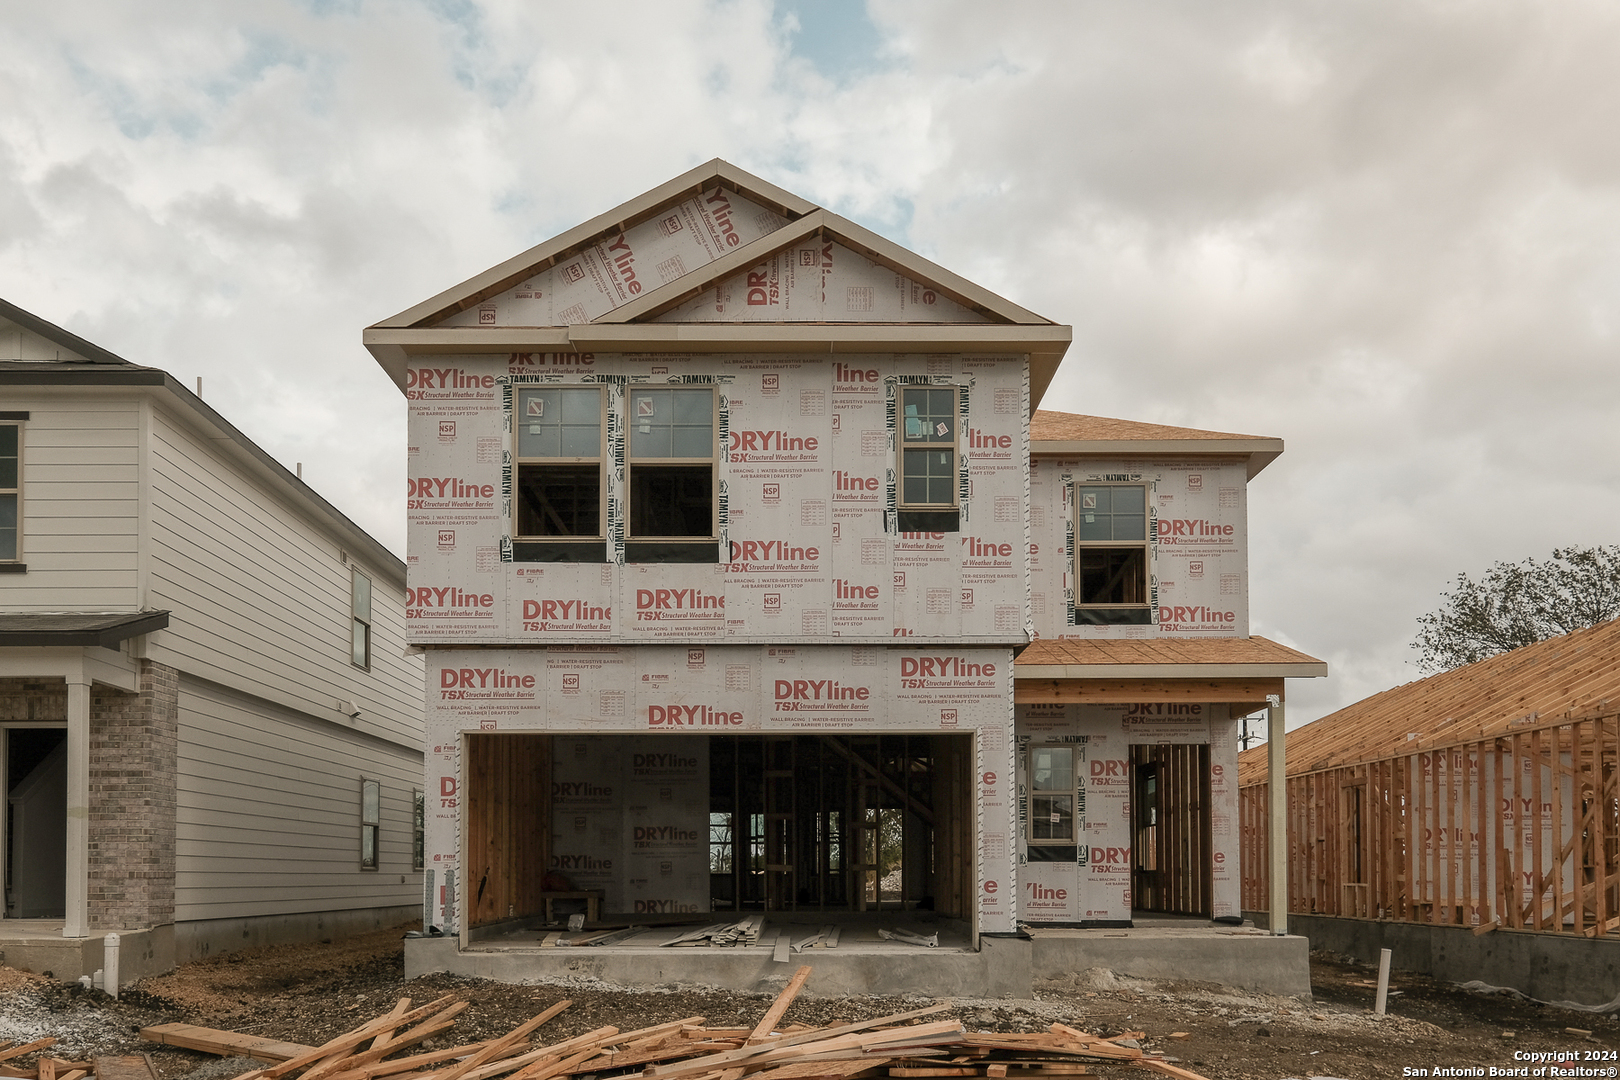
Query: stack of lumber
[899, 1045]
[47, 1067]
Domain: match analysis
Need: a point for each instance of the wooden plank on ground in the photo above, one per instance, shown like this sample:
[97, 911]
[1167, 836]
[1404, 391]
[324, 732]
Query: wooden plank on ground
[26, 1048]
[779, 1007]
[128, 1067]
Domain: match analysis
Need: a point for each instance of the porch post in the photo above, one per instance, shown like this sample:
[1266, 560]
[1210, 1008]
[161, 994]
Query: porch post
[78, 806]
[1277, 827]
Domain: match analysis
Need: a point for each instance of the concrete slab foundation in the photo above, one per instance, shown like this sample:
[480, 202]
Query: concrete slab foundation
[1547, 967]
[1243, 959]
[1001, 967]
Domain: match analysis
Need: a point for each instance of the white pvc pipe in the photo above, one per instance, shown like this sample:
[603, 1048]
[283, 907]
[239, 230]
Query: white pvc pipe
[1383, 982]
[109, 962]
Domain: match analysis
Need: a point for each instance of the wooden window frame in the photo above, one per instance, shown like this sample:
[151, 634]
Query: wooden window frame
[544, 548]
[1140, 613]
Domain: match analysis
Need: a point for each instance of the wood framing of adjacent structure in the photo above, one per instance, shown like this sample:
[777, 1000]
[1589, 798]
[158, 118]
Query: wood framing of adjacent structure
[1516, 829]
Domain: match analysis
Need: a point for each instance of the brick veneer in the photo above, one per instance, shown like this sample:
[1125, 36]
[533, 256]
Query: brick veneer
[133, 748]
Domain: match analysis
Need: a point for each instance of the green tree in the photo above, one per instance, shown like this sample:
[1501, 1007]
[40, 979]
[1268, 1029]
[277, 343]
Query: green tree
[1519, 604]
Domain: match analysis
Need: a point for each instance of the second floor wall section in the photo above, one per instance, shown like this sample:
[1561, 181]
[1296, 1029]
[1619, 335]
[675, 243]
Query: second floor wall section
[1148, 546]
[573, 498]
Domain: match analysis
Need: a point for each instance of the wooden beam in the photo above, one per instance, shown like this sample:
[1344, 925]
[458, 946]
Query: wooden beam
[1128, 691]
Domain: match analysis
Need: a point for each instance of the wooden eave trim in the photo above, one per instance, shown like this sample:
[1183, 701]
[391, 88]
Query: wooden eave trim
[1258, 452]
[508, 273]
[1315, 670]
[1128, 691]
[724, 337]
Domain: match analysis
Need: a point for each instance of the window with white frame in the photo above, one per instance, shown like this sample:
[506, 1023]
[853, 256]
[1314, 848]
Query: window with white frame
[370, 823]
[926, 496]
[560, 490]
[1111, 554]
[1051, 795]
[359, 618]
[11, 490]
[671, 484]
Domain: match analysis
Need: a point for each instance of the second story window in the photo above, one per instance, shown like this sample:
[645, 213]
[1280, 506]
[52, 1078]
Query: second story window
[926, 497]
[10, 493]
[359, 618]
[671, 481]
[559, 491]
[1111, 554]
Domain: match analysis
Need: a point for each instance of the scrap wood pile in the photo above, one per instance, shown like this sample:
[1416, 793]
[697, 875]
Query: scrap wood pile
[47, 1067]
[899, 1045]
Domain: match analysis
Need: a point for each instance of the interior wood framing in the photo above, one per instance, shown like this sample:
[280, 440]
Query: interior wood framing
[1518, 830]
[797, 822]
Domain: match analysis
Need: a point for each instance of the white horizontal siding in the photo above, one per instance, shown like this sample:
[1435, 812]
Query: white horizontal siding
[268, 812]
[261, 595]
[80, 501]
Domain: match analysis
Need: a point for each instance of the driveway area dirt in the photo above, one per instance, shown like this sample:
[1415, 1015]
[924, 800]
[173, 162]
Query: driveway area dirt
[312, 993]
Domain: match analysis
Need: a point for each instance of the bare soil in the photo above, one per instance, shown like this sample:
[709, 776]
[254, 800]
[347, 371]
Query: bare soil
[312, 993]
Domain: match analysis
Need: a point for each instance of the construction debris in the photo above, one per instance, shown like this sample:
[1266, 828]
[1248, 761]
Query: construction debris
[908, 938]
[903, 1045]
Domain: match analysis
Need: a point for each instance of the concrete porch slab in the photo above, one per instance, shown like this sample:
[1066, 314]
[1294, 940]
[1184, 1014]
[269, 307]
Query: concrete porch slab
[1242, 958]
[37, 945]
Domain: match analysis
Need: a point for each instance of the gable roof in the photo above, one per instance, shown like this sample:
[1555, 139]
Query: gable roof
[632, 279]
[1572, 674]
[80, 351]
[1070, 434]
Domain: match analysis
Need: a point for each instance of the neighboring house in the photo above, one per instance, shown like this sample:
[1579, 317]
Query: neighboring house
[1448, 816]
[211, 730]
[724, 538]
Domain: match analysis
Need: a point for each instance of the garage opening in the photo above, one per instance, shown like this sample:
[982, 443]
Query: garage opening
[1171, 868]
[669, 825]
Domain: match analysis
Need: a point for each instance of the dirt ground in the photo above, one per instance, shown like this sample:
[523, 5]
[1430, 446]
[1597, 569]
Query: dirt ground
[311, 993]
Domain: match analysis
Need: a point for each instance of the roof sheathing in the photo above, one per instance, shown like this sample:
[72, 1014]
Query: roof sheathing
[1163, 658]
[1575, 673]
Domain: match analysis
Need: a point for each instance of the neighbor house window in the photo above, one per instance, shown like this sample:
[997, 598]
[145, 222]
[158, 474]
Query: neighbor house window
[1111, 553]
[370, 823]
[11, 489]
[418, 830]
[671, 482]
[926, 495]
[359, 618]
[560, 491]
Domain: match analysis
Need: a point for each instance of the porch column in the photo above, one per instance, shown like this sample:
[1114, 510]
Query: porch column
[1277, 828]
[78, 806]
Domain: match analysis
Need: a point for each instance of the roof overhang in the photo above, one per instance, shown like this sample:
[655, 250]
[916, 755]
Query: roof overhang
[1257, 452]
[108, 630]
[1315, 670]
[1044, 344]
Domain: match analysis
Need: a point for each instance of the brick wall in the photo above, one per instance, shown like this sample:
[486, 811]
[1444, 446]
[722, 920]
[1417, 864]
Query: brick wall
[133, 746]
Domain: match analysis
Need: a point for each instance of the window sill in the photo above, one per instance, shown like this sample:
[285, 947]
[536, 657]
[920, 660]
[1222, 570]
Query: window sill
[938, 521]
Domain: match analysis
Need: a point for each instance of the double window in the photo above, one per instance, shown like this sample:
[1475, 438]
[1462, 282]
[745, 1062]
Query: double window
[563, 448]
[926, 497]
[1111, 554]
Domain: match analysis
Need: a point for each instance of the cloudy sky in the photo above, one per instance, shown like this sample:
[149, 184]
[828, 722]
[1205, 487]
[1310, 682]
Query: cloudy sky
[1387, 232]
